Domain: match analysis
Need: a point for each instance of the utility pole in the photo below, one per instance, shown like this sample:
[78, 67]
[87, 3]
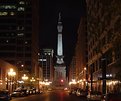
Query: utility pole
[103, 60]
[91, 70]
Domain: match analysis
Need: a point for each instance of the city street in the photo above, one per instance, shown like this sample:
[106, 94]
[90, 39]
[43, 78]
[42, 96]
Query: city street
[60, 50]
[50, 96]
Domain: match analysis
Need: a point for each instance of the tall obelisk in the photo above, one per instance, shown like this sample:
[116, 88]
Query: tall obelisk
[60, 68]
[60, 43]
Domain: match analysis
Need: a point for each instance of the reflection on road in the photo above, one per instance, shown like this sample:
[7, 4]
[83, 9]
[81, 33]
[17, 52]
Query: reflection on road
[55, 95]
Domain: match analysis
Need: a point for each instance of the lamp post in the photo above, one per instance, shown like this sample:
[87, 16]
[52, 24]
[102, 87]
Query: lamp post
[72, 84]
[104, 75]
[24, 78]
[91, 77]
[32, 80]
[11, 74]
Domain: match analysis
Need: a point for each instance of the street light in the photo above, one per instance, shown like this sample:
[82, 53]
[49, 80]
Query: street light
[24, 78]
[32, 80]
[72, 83]
[22, 65]
[11, 74]
[46, 84]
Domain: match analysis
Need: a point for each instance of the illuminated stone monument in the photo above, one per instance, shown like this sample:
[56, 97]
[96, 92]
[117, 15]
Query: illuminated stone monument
[60, 68]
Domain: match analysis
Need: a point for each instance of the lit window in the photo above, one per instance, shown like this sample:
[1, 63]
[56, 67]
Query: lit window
[22, 2]
[12, 13]
[7, 7]
[20, 28]
[10, 7]
[21, 9]
[38, 53]
[7, 41]
[20, 34]
[3, 13]
[26, 42]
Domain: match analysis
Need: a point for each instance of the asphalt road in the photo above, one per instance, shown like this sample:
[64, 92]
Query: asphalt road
[58, 95]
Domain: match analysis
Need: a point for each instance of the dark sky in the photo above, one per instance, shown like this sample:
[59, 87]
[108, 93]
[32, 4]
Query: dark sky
[71, 12]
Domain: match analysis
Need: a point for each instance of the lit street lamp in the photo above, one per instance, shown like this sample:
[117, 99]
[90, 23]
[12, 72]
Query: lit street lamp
[25, 78]
[72, 83]
[11, 75]
[32, 80]
[45, 84]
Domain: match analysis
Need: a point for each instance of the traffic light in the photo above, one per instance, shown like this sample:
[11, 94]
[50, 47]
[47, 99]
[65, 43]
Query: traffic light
[61, 80]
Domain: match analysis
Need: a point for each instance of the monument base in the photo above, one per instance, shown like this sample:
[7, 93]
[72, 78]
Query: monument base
[60, 81]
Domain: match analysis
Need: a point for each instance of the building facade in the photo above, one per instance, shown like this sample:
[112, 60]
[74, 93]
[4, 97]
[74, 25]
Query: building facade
[16, 34]
[72, 73]
[104, 35]
[46, 64]
[72, 69]
[7, 80]
[81, 54]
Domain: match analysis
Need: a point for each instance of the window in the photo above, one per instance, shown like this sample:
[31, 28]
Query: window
[3, 13]
[21, 2]
[21, 8]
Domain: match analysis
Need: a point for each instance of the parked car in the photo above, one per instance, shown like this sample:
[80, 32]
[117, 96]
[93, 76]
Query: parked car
[31, 90]
[81, 92]
[38, 91]
[95, 96]
[5, 95]
[19, 93]
[113, 96]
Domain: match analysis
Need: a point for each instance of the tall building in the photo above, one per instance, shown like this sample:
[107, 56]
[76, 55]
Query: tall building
[16, 33]
[46, 64]
[35, 39]
[81, 54]
[8, 29]
[104, 35]
[60, 68]
[72, 69]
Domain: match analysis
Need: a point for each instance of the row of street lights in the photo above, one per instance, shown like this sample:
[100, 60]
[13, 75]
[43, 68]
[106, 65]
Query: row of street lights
[12, 80]
[45, 84]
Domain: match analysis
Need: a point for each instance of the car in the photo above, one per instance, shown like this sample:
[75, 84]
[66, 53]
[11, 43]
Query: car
[95, 96]
[5, 95]
[38, 91]
[19, 93]
[31, 90]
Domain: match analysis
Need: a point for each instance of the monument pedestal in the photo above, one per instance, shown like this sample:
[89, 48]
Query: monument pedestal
[60, 81]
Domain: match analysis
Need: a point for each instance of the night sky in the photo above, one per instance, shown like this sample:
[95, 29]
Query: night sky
[71, 12]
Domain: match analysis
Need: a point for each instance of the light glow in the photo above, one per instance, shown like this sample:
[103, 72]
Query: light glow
[25, 77]
[11, 72]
